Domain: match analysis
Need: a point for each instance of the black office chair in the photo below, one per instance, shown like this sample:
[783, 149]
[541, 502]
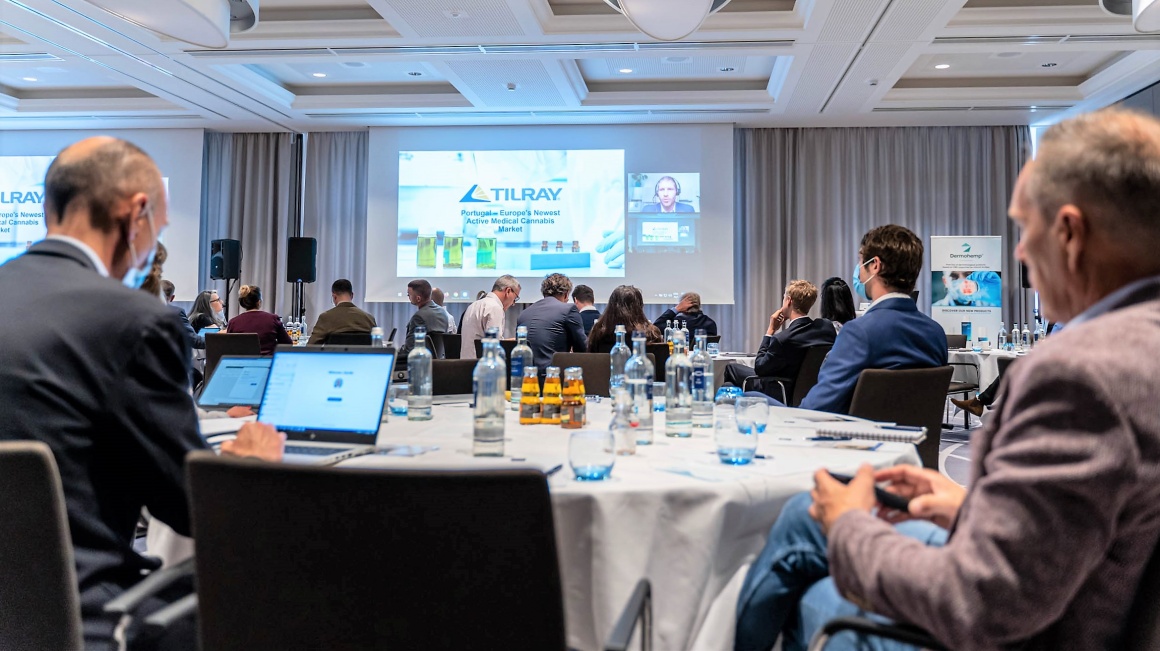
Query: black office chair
[713, 339]
[229, 343]
[452, 345]
[452, 376]
[435, 344]
[912, 397]
[965, 388]
[39, 603]
[806, 378]
[342, 558]
[661, 353]
[596, 367]
[348, 339]
[508, 346]
[955, 342]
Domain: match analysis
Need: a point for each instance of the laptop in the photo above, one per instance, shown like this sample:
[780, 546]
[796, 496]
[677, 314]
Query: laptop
[238, 380]
[328, 402]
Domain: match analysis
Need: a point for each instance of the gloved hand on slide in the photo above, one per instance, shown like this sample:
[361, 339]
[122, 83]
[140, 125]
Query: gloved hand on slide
[612, 246]
[989, 290]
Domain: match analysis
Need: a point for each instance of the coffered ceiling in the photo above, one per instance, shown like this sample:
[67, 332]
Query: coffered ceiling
[342, 64]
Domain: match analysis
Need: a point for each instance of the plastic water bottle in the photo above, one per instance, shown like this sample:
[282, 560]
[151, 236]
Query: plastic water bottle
[702, 382]
[488, 379]
[1002, 336]
[618, 356]
[678, 390]
[521, 358]
[1026, 337]
[377, 337]
[419, 371]
[639, 374]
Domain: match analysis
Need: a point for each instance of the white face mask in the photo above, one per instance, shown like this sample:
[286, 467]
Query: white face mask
[135, 276]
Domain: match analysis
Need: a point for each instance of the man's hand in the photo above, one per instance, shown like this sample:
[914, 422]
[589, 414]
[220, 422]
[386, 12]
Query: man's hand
[259, 440]
[832, 498]
[683, 306]
[241, 411]
[932, 496]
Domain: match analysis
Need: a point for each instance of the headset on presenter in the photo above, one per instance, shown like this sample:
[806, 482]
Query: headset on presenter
[657, 188]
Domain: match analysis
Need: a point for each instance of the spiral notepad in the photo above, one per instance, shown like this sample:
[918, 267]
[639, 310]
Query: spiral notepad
[872, 432]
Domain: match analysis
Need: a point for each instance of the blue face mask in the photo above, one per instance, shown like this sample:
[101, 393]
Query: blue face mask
[135, 276]
[859, 286]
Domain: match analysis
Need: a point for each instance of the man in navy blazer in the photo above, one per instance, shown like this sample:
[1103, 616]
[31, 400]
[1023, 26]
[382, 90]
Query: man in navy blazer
[781, 354]
[892, 334]
[554, 324]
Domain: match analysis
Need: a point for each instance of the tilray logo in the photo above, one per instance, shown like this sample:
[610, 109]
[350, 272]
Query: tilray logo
[475, 195]
[21, 197]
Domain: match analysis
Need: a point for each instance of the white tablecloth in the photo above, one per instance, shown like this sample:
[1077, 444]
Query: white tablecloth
[987, 363]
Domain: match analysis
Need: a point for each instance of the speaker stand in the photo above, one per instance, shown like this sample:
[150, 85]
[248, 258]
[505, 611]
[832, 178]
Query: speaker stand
[226, 301]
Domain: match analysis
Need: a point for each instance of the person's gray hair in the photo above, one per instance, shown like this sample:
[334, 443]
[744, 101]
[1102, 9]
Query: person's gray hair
[694, 300]
[1107, 164]
[506, 281]
[555, 285]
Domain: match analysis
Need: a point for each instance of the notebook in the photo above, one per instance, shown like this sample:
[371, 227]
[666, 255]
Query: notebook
[238, 380]
[870, 431]
[328, 402]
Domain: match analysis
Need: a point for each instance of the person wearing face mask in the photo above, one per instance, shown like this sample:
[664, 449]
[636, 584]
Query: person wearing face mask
[106, 390]
[892, 334]
[267, 326]
[207, 311]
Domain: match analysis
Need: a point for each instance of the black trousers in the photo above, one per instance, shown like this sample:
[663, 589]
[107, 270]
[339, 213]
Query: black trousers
[735, 373]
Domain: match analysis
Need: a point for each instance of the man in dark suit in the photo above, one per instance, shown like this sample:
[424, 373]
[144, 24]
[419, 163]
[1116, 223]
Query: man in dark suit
[585, 301]
[688, 310]
[781, 353]
[169, 291]
[106, 390]
[892, 333]
[343, 317]
[554, 324]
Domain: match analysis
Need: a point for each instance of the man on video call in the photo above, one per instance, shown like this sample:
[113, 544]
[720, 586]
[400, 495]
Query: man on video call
[667, 193]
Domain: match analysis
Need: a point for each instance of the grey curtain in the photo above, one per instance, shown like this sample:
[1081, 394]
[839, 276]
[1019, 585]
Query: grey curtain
[804, 198]
[247, 195]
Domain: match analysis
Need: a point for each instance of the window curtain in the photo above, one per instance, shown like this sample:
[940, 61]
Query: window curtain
[804, 198]
[248, 195]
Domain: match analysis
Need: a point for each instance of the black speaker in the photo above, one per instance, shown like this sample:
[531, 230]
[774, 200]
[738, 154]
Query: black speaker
[225, 259]
[1024, 276]
[300, 253]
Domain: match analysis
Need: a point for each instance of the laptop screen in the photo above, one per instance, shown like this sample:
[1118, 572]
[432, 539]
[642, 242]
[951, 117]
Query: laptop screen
[237, 381]
[331, 396]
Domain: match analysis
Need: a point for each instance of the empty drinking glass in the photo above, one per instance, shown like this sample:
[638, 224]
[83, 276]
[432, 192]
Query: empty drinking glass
[754, 411]
[736, 442]
[591, 453]
[714, 349]
[658, 396]
[397, 399]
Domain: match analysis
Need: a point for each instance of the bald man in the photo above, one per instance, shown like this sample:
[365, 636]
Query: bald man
[106, 389]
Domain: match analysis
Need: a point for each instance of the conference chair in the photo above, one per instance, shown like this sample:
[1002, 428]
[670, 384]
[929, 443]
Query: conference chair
[661, 353]
[508, 346]
[229, 343]
[955, 342]
[806, 378]
[452, 376]
[596, 367]
[39, 603]
[912, 397]
[713, 339]
[348, 339]
[346, 558]
[452, 345]
[435, 344]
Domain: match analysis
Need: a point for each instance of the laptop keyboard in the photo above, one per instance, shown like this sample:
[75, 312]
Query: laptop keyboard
[318, 452]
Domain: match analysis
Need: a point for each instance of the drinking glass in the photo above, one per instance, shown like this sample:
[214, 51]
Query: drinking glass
[397, 399]
[714, 349]
[591, 453]
[658, 396]
[727, 395]
[736, 442]
[753, 410]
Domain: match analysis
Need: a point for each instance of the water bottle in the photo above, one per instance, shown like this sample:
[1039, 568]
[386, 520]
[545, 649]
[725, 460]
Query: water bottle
[702, 382]
[377, 337]
[1002, 336]
[685, 329]
[488, 379]
[1016, 340]
[1026, 337]
[521, 358]
[419, 371]
[668, 331]
[1036, 334]
[678, 390]
[620, 426]
[639, 373]
[493, 333]
[618, 357]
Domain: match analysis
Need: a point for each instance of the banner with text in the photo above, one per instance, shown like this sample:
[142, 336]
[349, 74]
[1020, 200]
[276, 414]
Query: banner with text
[967, 286]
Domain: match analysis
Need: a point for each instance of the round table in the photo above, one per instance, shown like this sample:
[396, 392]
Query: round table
[986, 361]
[721, 361]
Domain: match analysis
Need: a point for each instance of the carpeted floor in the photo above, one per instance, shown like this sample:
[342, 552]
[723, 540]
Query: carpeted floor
[954, 457]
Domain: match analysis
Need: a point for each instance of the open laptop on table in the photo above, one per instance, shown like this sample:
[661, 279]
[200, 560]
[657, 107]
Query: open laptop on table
[238, 380]
[328, 402]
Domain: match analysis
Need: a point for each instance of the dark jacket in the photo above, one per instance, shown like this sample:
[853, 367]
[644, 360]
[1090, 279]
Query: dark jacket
[553, 327]
[696, 320]
[588, 317]
[195, 340]
[267, 326]
[781, 354]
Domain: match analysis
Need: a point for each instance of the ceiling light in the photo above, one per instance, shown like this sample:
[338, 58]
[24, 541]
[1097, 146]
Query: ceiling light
[625, 71]
[29, 78]
[727, 69]
[205, 23]
[415, 73]
[511, 86]
[1049, 64]
[667, 20]
[320, 75]
[942, 66]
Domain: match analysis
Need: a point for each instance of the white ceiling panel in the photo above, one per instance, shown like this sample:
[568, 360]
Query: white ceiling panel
[347, 72]
[691, 68]
[488, 81]
[458, 18]
[1010, 64]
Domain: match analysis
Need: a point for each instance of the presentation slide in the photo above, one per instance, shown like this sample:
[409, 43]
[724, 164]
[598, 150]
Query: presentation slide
[21, 203]
[645, 205]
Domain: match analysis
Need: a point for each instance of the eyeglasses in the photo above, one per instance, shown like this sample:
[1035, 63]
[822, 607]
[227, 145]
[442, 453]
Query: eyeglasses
[517, 298]
[216, 300]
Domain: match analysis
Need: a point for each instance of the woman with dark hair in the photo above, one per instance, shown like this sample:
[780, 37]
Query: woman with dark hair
[837, 302]
[207, 311]
[152, 283]
[267, 326]
[626, 308]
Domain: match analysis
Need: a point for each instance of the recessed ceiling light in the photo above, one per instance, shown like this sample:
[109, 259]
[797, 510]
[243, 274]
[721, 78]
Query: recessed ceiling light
[1048, 65]
[625, 71]
[511, 86]
[455, 14]
[320, 75]
[29, 78]
[942, 66]
[415, 73]
[727, 69]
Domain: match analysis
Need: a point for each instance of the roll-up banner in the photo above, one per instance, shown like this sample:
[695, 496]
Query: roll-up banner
[967, 286]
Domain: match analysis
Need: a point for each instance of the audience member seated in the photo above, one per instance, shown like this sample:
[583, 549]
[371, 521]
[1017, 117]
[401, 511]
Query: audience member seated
[1047, 546]
[437, 297]
[267, 326]
[207, 311]
[343, 317]
[987, 397]
[428, 315]
[688, 310]
[168, 291]
[892, 333]
[152, 283]
[585, 301]
[837, 302]
[112, 385]
[554, 324]
[626, 308]
[487, 312]
[782, 352]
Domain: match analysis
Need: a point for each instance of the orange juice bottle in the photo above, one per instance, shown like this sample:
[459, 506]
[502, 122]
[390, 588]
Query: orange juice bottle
[553, 397]
[530, 397]
[572, 413]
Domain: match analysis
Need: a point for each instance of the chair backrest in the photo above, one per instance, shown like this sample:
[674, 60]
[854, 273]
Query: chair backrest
[229, 343]
[39, 604]
[713, 339]
[452, 376]
[452, 345]
[596, 367]
[661, 353]
[390, 340]
[508, 346]
[435, 344]
[348, 339]
[956, 341]
[1001, 363]
[913, 397]
[344, 558]
[807, 375]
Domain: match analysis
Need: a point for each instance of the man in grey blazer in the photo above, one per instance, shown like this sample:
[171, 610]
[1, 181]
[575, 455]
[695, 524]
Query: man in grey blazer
[554, 324]
[1046, 547]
